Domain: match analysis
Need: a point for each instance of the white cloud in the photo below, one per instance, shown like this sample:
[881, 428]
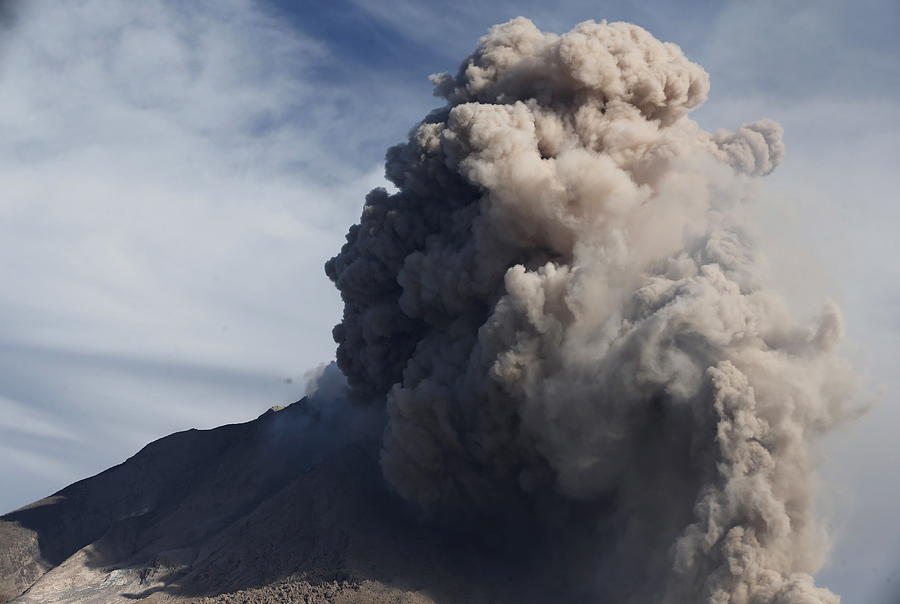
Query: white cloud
[170, 192]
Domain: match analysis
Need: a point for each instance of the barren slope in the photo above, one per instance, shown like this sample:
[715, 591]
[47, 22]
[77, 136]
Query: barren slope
[269, 510]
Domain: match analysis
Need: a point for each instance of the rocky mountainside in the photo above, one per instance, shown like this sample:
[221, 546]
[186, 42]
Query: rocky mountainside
[273, 510]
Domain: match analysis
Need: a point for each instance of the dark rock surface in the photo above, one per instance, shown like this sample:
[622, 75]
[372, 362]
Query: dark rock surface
[273, 510]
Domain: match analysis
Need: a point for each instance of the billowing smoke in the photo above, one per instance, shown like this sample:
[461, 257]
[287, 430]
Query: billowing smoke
[562, 305]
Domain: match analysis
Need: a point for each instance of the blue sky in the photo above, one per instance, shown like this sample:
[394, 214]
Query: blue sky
[175, 174]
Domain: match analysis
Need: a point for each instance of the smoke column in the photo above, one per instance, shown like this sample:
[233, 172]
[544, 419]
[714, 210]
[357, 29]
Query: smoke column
[562, 305]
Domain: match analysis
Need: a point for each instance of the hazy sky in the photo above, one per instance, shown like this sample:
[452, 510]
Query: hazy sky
[174, 175]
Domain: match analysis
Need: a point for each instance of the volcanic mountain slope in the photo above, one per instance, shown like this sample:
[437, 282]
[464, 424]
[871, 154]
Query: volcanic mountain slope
[279, 509]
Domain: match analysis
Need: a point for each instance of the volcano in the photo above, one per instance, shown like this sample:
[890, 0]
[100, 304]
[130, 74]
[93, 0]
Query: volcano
[566, 376]
[265, 511]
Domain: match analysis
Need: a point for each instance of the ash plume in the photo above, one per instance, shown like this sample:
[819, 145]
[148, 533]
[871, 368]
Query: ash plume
[563, 309]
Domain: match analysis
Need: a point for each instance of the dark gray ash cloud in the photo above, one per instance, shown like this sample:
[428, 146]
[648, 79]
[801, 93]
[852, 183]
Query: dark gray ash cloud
[563, 307]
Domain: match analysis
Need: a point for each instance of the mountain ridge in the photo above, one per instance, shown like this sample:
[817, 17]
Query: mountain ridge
[288, 507]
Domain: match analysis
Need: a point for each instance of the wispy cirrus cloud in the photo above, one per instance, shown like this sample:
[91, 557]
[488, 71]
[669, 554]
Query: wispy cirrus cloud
[174, 176]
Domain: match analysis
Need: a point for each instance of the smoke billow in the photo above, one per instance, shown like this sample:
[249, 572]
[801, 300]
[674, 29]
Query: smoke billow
[562, 305]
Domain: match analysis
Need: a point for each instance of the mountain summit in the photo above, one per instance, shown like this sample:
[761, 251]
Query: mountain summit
[278, 509]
